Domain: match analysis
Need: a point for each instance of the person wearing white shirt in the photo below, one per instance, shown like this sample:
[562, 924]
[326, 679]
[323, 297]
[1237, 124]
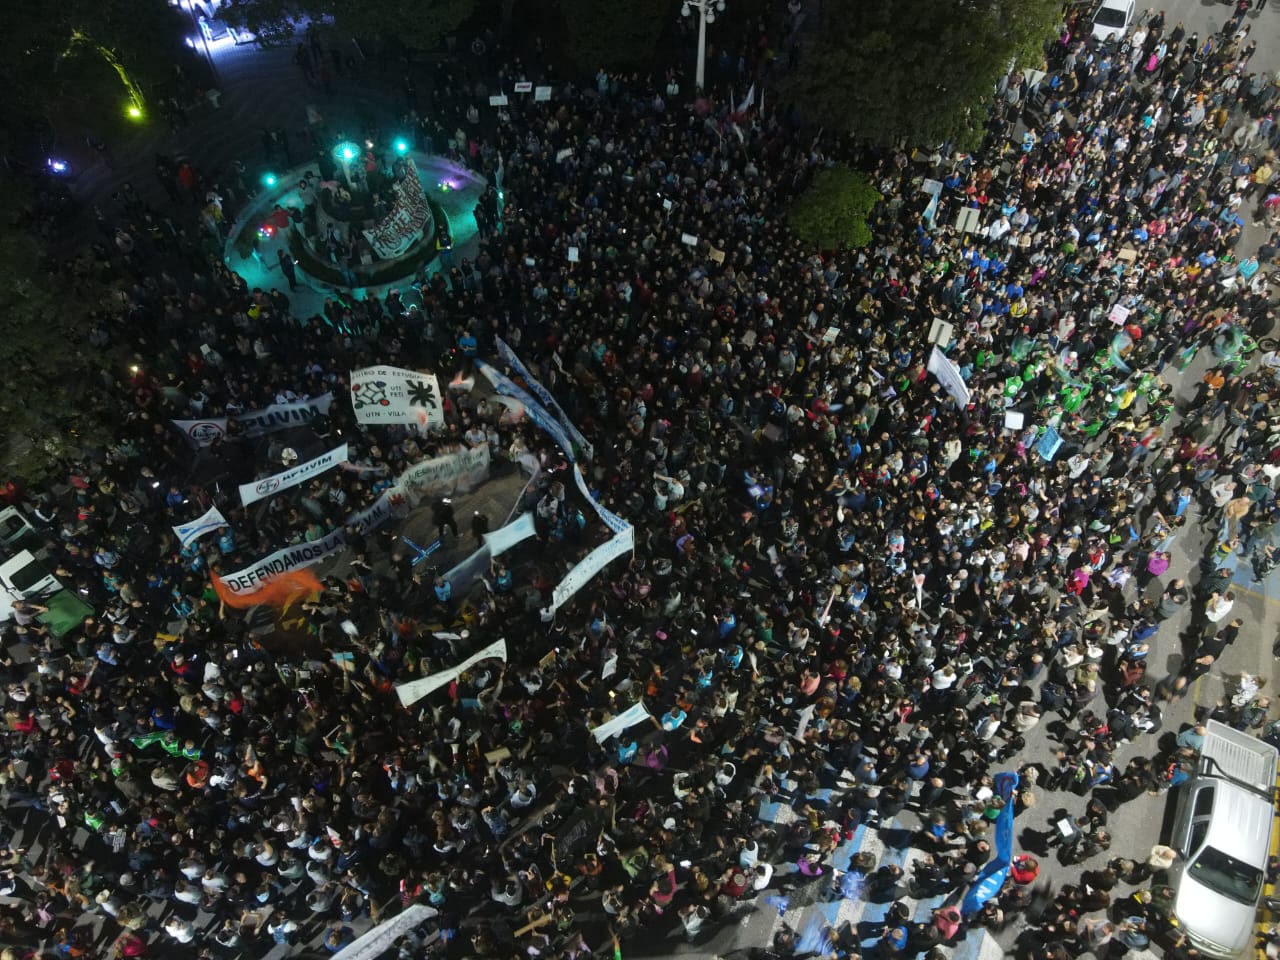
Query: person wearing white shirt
[762, 876]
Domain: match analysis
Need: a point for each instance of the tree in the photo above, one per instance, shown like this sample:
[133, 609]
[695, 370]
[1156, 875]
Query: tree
[47, 406]
[420, 25]
[98, 55]
[919, 70]
[614, 33]
[832, 212]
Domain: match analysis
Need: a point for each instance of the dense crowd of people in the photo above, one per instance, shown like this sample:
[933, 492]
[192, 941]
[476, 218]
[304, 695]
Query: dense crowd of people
[851, 594]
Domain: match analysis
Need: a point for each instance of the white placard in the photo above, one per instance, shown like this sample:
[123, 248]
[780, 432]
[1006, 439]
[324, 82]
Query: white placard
[667, 204]
[948, 375]
[688, 239]
[1014, 419]
[524, 86]
[542, 93]
[269, 486]
[1119, 314]
[499, 100]
[573, 254]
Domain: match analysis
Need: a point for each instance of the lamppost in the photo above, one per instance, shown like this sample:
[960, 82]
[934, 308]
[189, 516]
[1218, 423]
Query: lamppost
[707, 10]
[345, 153]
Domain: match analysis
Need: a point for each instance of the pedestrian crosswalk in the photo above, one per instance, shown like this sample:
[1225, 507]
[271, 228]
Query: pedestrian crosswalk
[820, 908]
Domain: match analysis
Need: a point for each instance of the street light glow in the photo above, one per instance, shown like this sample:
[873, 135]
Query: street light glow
[401, 145]
[268, 179]
[134, 111]
[346, 151]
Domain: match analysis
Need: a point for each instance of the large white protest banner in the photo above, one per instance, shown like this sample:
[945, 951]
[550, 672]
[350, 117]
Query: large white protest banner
[413, 691]
[281, 416]
[269, 486]
[504, 538]
[634, 714]
[444, 475]
[383, 937]
[948, 375]
[202, 433]
[396, 395]
[616, 546]
[300, 555]
[189, 533]
[293, 557]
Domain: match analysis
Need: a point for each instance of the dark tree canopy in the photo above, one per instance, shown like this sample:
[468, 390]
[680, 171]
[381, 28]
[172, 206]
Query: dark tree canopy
[832, 212]
[421, 24]
[918, 70]
[610, 34]
[85, 53]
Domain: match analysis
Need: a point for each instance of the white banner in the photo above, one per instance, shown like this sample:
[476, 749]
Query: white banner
[634, 714]
[380, 939]
[395, 395]
[504, 538]
[413, 691]
[189, 533]
[409, 216]
[269, 486]
[201, 433]
[281, 416]
[293, 557]
[595, 561]
[302, 555]
[441, 475]
[948, 375]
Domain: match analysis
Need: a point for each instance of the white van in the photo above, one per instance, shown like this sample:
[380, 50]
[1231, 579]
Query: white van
[1223, 834]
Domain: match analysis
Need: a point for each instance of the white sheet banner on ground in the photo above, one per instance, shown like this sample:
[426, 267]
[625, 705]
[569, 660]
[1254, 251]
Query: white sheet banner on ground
[269, 486]
[301, 555]
[410, 213]
[201, 433]
[281, 416]
[504, 538]
[628, 718]
[444, 475]
[380, 939]
[413, 691]
[189, 533]
[542, 393]
[595, 561]
[948, 375]
[396, 395]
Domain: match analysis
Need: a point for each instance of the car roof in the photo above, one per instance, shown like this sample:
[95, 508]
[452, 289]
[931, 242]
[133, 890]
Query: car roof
[1241, 824]
[1117, 4]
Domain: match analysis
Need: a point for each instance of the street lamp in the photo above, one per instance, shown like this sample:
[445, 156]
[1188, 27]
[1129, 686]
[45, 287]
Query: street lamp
[707, 10]
[344, 153]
